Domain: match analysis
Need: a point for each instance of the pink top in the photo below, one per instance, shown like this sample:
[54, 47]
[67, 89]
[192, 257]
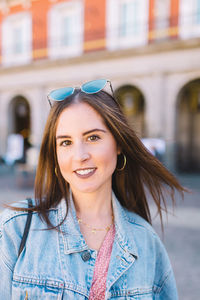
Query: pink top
[98, 289]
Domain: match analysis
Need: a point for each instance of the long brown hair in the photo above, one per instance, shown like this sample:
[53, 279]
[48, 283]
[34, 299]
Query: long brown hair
[143, 176]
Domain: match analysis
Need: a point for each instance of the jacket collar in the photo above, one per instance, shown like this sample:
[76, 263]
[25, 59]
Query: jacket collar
[123, 228]
[73, 239]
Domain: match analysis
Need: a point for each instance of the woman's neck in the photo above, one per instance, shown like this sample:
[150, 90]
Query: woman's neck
[94, 214]
[93, 205]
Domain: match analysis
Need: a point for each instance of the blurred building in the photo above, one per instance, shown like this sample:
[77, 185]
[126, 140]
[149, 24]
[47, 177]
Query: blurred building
[149, 49]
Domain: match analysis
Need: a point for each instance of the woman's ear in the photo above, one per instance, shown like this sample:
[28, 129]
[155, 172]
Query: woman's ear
[118, 150]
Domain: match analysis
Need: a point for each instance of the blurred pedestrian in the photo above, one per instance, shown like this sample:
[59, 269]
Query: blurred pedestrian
[90, 235]
[15, 149]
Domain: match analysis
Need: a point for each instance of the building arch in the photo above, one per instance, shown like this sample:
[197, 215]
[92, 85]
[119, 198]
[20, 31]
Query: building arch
[188, 127]
[19, 119]
[133, 104]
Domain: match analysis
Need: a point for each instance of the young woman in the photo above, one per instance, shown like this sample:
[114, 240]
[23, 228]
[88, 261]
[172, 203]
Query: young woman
[90, 236]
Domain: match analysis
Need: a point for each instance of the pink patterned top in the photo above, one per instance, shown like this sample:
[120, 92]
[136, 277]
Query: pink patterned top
[98, 289]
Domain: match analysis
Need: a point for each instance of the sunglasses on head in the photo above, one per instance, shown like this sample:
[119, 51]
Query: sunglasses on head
[90, 87]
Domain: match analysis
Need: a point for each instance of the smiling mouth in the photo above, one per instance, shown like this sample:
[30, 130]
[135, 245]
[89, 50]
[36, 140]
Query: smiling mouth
[85, 172]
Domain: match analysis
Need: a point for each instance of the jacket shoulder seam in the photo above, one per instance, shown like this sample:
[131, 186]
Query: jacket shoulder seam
[133, 219]
[12, 215]
[6, 261]
[15, 214]
[158, 288]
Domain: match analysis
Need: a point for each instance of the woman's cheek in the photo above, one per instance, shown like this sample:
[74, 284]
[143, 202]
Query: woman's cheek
[61, 157]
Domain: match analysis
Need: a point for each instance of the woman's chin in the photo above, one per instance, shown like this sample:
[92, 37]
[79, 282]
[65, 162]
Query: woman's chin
[85, 189]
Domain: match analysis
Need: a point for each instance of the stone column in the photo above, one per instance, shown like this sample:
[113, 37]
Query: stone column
[153, 89]
[39, 111]
[4, 122]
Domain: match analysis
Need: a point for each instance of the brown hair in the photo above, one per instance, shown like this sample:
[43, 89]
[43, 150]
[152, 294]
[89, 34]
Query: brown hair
[142, 175]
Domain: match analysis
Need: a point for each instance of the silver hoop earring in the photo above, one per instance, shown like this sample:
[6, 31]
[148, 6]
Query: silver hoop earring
[124, 164]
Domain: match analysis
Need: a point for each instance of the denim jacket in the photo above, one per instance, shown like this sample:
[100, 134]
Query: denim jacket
[59, 265]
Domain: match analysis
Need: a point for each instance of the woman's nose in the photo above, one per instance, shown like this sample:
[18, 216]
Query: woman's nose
[81, 153]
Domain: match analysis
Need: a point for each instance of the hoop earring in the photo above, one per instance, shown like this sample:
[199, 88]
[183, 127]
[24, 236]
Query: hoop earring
[56, 172]
[124, 164]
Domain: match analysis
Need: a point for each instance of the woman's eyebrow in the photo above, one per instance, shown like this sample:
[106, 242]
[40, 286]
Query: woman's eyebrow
[92, 130]
[85, 133]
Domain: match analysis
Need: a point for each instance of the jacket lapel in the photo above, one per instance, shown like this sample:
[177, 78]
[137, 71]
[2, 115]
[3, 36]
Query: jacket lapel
[73, 240]
[124, 251]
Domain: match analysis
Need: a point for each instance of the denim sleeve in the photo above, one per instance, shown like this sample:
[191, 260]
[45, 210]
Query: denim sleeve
[164, 284]
[6, 279]
[10, 237]
[168, 289]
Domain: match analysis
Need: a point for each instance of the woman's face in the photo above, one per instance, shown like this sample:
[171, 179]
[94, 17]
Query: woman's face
[86, 150]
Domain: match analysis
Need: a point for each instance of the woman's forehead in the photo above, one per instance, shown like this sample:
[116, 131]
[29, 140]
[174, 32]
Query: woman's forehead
[79, 116]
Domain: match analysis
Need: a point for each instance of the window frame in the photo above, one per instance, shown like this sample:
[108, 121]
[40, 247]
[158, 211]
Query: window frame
[9, 24]
[189, 26]
[56, 14]
[134, 39]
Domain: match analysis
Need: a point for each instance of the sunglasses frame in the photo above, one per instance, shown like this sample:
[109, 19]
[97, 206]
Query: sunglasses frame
[74, 88]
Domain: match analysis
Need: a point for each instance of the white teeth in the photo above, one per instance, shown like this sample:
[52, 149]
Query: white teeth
[84, 172]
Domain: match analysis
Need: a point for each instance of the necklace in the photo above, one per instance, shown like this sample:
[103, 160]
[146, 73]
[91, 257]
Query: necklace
[94, 229]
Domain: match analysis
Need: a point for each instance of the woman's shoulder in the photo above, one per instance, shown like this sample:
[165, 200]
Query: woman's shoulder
[134, 221]
[16, 214]
[137, 220]
[143, 232]
[142, 228]
[11, 213]
[12, 223]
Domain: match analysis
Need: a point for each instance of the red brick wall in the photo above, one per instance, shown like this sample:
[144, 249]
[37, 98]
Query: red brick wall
[95, 24]
[151, 19]
[174, 18]
[39, 17]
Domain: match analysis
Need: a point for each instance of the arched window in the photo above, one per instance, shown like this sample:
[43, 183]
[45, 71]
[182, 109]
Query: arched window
[188, 128]
[133, 104]
[18, 130]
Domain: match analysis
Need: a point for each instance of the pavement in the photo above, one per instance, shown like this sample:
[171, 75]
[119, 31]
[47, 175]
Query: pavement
[181, 235]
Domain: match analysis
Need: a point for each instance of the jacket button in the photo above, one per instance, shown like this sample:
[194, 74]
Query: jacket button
[86, 255]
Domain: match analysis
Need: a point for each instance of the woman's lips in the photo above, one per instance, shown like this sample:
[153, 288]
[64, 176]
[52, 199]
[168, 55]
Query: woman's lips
[85, 173]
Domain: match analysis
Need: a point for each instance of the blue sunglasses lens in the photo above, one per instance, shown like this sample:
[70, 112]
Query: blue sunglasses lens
[94, 86]
[61, 94]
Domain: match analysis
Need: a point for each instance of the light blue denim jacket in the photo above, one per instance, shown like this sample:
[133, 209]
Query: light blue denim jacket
[56, 265]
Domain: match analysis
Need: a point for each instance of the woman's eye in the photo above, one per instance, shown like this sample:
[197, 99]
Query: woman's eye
[93, 138]
[65, 143]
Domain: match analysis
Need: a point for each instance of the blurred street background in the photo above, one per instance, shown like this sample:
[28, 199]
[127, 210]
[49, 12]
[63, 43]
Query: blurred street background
[150, 50]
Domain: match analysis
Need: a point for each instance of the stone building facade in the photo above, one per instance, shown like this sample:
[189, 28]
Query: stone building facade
[149, 49]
